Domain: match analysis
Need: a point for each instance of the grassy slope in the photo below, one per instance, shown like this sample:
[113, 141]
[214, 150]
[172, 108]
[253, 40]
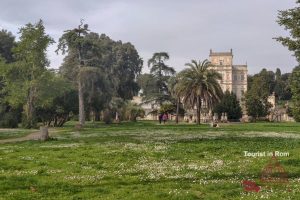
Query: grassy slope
[148, 161]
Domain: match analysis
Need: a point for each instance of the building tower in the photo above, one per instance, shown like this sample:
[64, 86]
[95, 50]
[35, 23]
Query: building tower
[234, 77]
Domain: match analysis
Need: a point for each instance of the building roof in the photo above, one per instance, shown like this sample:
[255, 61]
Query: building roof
[211, 53]
[240, 67]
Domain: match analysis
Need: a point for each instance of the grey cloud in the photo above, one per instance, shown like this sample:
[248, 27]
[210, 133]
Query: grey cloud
[185, 29]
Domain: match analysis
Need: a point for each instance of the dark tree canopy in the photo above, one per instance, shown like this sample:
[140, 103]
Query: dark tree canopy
[109, 70]
[119, 63]
[257, 98]
[274, 82]
[230, 105]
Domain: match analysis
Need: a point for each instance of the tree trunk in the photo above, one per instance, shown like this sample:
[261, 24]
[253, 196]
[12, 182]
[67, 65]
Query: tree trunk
[97, 116]
[177, 110]
[198, 110]
[80, 88]
[117, 118]
[63, 120]
[81, 103]
[29, 109]
[44, 133]
[49, 122]
[55, 121]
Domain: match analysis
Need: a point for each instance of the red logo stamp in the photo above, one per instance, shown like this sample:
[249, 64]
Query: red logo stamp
[272, 173]
[251, 186]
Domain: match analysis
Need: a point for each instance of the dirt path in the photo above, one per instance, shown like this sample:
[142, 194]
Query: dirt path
[32, 136]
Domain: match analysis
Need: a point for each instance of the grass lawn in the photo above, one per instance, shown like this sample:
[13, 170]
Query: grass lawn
[145, 160]
[13, 133]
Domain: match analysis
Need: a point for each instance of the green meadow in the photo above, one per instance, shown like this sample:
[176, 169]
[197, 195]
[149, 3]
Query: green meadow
[145, 160]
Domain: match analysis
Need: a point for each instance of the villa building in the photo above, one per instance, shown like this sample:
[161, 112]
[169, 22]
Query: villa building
[234, 77]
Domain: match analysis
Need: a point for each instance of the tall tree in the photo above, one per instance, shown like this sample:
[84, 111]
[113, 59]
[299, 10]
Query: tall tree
[161, 73]
[199, 84]
[269, 78]
[287, 94]
[23, 77]
[127, 65]
[109, 72]
[257, 98]
[73, 41]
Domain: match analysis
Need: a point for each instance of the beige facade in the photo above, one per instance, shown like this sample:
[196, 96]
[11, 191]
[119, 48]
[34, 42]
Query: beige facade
[148, 107]
[234, 77]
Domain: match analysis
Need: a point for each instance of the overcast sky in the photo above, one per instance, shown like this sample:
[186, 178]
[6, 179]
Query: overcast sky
[185, 29]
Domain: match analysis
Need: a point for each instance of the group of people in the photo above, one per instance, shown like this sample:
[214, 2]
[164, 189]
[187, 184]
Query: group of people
[163, 117]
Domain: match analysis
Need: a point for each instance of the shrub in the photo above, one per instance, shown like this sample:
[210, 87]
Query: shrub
[107, 116]
[9, 120]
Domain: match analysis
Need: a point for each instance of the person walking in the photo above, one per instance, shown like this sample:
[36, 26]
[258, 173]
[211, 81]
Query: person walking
[160, 116]
[165, 117]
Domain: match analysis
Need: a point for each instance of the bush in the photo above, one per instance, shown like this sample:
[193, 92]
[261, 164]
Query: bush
[132, 111]
[9, 120]
[230, 105]
[107, 116]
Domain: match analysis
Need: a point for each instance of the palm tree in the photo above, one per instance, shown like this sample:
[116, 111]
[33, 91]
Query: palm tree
[198, 84]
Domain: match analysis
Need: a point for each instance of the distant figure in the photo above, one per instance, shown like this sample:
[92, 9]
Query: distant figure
[160, 118]
[165, 117]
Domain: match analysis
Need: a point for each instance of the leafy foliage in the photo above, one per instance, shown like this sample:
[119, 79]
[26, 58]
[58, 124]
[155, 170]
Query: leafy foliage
[276, 82]
[25, 77]
[57, 100]
[290, 20]
[9, 117]
[230, 105]
[295, 86]
[7, 43]
[110, 70]
[257, 98]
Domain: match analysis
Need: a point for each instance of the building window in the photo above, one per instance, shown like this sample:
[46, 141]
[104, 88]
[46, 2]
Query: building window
[242, 77]
[235, 77]
[221, 62]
